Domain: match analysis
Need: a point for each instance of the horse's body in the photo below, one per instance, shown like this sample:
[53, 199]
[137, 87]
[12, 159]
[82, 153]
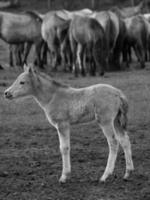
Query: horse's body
[86, 34]
[70, 14]
[111, 25]
[147, 17]
[21, 28]
[122, 14]
[17, 28]
[64, 105]
[137, 37]
[55, 32]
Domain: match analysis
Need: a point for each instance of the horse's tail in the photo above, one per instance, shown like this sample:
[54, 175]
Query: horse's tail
[121, 118]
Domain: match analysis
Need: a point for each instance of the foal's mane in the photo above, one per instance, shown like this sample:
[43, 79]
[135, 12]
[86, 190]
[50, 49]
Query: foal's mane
[53, 81]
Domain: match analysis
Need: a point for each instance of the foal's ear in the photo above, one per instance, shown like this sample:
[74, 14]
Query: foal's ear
[29, 68]
[25, 67]
[32, 68]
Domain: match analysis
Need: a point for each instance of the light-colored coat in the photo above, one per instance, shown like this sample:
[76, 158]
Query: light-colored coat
[64, 105]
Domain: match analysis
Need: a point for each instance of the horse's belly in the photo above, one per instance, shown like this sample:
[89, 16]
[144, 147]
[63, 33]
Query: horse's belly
[82, 114]
[13, 38]
[14, 34]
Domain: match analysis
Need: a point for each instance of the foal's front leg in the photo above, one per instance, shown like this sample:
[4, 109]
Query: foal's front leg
[63, 129]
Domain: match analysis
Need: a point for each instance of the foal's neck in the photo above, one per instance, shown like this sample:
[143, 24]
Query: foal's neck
[46, 88]
[44, 91]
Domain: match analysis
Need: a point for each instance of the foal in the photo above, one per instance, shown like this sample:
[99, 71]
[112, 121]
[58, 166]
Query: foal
[64, 105]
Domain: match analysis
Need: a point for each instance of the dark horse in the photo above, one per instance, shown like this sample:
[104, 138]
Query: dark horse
[22, 28]
[137, 35]
[113, 31]
[121, 14]
[87, 35]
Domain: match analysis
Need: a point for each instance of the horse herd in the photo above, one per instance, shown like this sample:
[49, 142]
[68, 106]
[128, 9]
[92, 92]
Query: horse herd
[82, 41]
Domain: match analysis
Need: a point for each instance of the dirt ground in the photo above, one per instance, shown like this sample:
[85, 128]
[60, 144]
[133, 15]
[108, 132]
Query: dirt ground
[30, 161]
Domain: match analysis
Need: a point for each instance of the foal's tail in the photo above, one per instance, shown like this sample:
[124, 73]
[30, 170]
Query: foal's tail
[121, 118]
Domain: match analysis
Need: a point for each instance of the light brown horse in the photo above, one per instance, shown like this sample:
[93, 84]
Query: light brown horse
[21, 28]
[86, 34]
[55, 33]
[65, 105]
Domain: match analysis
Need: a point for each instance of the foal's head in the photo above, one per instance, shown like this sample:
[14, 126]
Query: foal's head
[24, 85]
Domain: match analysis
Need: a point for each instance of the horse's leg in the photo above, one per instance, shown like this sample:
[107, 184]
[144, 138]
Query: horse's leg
[73, 46]
[124, 141]
[63, 54]
[17, 55]
[142, 53]
[113, 144]
[69, 59]
[21, 53]
[83, 61]
[69, 56]
[80, 55]
[92, 62]
[92, 65]
[64, 139]
[11, 63]
[27, 50]
[99, 56]
[138, 52]
[38, 47]
[44, 53]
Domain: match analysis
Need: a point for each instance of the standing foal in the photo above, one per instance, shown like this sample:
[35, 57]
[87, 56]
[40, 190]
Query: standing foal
[64, 105]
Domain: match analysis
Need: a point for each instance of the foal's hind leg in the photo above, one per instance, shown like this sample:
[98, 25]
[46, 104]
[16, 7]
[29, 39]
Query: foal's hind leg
[124, 141]
[113, 150]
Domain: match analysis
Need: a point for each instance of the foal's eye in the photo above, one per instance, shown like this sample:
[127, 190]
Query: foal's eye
[22, 83]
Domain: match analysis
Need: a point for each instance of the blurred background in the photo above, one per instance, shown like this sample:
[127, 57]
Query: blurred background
[45, 5]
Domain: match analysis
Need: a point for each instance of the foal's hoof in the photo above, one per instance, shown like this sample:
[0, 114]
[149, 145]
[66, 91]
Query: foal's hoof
[102, 179]
[64, 178]
[127, 174]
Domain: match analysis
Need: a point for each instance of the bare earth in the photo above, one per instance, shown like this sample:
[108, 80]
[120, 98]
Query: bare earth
[30, 162]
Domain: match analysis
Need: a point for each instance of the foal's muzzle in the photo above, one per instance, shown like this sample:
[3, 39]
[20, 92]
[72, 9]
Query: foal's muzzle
[8, 95]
